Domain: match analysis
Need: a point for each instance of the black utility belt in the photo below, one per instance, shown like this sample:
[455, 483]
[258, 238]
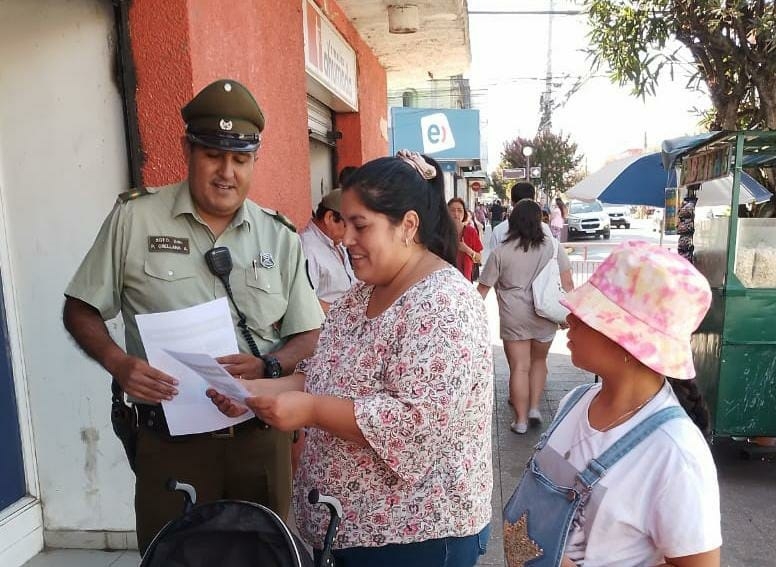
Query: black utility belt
[151, 417]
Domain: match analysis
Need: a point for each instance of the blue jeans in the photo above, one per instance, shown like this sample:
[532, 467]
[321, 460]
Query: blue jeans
[443, 552]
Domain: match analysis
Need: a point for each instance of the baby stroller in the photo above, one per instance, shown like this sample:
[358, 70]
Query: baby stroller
[234, 533]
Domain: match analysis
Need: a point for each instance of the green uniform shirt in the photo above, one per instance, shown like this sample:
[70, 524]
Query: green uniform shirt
[149, 257]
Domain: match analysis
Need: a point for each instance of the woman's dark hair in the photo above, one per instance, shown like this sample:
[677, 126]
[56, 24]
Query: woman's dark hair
[692, 401]
[525, 224]
[562, 206]
[460, 201]
[391, 186]
[346, 172]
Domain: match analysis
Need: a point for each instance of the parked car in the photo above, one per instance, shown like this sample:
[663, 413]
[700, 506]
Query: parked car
[619, 215]
[588, 218]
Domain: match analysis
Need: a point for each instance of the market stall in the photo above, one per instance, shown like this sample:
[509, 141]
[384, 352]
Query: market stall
[735, 346]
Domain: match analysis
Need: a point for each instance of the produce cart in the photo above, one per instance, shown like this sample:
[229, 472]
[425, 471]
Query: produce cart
[735, 347]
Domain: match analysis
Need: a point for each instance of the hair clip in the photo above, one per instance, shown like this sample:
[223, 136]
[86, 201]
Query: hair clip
[426, 170]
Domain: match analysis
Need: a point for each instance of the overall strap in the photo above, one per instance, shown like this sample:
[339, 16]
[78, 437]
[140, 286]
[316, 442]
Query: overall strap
[575, 395]
[597, 467]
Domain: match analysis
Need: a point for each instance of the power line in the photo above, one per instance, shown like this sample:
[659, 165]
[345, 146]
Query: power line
[527, 12]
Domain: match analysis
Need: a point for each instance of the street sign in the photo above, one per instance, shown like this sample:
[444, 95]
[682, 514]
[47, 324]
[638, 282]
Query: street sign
[516, 173]
[536, 172]
[476, 185]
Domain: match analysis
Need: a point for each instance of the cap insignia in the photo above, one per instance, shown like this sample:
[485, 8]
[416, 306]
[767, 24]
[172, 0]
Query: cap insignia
[225, 124]
[228, 87]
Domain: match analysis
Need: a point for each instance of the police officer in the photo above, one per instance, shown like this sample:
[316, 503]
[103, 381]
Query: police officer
[149, 256]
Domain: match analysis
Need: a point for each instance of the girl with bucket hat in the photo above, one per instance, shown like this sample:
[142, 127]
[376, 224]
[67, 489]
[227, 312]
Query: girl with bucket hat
[623, 476]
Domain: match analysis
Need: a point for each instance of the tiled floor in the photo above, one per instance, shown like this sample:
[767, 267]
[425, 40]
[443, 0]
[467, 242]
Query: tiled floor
[84, 558]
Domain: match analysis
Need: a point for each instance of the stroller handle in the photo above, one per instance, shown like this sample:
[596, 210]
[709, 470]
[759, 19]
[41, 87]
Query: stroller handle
[189, 493]
[334, 506]
[335, 513]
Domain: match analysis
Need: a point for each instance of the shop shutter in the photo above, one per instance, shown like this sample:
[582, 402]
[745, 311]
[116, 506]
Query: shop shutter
[319, 121]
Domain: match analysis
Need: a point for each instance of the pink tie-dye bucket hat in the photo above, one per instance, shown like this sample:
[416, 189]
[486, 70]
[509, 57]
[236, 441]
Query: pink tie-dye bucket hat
[648, 300]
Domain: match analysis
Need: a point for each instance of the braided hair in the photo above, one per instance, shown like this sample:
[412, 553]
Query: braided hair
[692, 401]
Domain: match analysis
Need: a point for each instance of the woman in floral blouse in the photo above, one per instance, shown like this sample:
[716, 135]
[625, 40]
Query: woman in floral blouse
[397, 398]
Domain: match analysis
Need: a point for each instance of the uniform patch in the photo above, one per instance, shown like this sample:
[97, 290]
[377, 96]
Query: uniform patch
[266, 260]
[168, 244]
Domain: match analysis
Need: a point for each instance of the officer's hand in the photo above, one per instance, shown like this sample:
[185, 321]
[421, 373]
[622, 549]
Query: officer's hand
[140, 380]
[244, 366]
[286, 411]
[226, 405]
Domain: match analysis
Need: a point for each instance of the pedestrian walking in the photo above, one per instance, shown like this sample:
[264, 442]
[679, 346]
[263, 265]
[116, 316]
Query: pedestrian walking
[558, 216]
[511, 269]
[469, 243]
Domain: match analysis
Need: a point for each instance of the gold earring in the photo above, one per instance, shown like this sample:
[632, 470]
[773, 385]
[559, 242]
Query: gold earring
[407, 242]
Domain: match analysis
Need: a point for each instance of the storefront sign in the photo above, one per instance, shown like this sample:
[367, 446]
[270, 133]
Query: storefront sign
[514, 173]
[449, 134]
[705, 166]
[328, 58]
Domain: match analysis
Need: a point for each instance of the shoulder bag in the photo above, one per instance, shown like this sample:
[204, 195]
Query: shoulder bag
[547, 290]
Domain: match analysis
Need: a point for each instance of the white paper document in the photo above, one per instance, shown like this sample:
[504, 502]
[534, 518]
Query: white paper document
[213, 373]
[204, 329]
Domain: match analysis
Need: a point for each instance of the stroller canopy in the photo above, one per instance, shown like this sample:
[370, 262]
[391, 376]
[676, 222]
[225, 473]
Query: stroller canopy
[230, 533]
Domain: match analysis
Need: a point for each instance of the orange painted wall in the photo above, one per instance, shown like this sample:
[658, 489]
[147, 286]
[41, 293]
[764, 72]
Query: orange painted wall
[364, 133]
[179, 46]
[260, 44]
[160, 50]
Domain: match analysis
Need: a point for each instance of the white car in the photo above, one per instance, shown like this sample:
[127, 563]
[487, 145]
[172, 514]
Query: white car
[588, 219]
[619, 215]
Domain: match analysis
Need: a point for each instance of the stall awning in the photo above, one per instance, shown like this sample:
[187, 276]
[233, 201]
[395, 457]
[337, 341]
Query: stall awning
[759, 146]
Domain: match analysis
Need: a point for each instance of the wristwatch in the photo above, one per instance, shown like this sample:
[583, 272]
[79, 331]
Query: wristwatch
[272, 367]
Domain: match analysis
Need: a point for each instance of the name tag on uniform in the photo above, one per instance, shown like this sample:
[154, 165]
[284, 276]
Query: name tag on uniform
[168, 244]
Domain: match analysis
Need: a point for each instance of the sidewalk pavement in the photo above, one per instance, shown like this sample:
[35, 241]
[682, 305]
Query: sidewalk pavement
[747, 485]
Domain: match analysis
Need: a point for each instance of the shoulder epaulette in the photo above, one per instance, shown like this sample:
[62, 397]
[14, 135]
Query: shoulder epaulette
[281, 218]
[133, 194]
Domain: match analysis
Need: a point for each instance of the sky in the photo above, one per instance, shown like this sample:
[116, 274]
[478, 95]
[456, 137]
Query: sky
[509, 64]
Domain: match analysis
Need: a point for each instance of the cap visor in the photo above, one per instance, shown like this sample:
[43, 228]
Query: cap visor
[221, 143]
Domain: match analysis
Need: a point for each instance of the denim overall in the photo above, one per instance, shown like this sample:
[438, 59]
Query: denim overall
[538, 516]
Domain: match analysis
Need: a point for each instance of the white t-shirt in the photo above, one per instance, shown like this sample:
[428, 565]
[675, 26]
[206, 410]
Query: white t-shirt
[660, 500]
[328, 265]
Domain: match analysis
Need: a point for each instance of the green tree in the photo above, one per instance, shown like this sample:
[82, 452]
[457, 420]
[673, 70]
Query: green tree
[732, 44]
[497, 182]
[555, 153]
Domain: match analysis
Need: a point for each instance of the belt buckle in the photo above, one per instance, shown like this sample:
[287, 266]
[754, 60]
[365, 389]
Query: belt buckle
[228, 434]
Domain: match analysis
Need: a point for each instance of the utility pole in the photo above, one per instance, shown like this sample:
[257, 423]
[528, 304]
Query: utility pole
[545, 102]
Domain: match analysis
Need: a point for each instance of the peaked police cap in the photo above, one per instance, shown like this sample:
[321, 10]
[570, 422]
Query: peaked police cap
[224, 115]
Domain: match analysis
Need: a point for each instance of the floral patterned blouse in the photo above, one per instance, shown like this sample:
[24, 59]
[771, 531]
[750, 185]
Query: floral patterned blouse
[421, 377]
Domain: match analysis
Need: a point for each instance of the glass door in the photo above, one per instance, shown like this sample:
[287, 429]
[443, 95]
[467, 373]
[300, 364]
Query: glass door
[12, 483]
